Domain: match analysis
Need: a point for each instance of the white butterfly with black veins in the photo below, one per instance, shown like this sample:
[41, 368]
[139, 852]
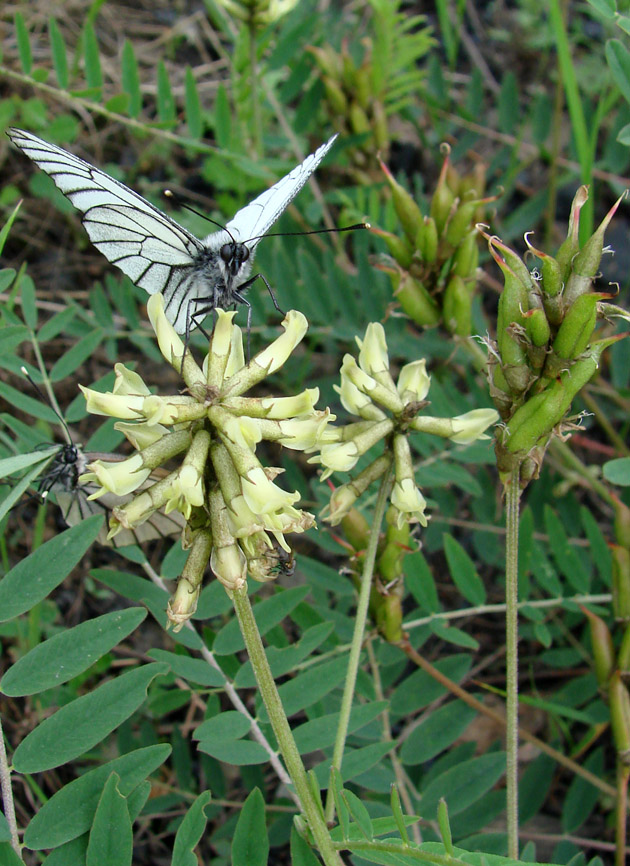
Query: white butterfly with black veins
[61, 477]
[156, 253]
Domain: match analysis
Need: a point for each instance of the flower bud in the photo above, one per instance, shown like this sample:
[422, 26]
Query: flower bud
[427, 240]
[413, 382]
[571, 245]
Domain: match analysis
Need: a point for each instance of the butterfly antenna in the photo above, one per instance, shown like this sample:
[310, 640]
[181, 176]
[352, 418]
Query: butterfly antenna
[313, 232]
[175, 198]
[46, 399]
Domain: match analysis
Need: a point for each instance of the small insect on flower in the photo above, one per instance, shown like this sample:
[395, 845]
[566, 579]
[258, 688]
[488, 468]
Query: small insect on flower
[195, 276]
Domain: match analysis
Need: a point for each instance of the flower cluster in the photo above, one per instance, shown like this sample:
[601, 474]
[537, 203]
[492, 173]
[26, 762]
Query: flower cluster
[545, 350]
[388, 411]
[237, 515]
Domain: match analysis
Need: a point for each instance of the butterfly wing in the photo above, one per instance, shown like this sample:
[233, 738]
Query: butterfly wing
[72, 498]
[255, 219]
[154, 251]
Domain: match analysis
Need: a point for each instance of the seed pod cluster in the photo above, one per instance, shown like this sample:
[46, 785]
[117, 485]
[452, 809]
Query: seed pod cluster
[433, 265]
[545, 350]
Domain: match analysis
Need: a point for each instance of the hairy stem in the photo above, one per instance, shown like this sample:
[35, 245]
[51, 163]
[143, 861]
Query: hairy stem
[513, 496]
[359, 630]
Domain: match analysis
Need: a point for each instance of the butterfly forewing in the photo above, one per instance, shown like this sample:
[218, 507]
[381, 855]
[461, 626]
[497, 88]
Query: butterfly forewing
[154, 251]
[255, 219]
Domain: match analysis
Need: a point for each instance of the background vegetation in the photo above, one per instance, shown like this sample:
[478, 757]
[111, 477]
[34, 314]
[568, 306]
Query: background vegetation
[217, 106]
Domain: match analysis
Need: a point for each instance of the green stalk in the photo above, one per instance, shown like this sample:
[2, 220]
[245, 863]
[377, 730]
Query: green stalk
[359, 631]
[621, 809]
[512, 500]
[253, 65]
[280, 725]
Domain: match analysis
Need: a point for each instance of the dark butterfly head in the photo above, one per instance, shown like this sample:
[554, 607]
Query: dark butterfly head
[63, 472]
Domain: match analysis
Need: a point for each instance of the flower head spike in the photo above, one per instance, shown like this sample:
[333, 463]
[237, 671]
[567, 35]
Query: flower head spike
[388, 413]
[236, 510]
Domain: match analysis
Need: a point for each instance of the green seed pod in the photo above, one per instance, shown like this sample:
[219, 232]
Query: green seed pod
[416, 301]
[359, 121]
[621, 582]
[585, 264]
[407, 210]
[538, 329]
[457, 307]
[389, 615]
[441, 203]
[427, 240]
[335, 95]
[571, 245]
[466, 256]
[460, 222]
[398, 247]
[602, 647]
[348, 72]
[380, 126]
[328, 61]
[356, 529]
[363, 89]
[623, 656]
[577, 327]
[619, 701]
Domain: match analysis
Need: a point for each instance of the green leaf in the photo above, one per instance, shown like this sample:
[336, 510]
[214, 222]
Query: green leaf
[192, 106]
[618, 471]
[56, 324]
[16, 493]
[250, 845]
[607, 8]
[509, 110]
[69, 653]
[240, 753]
[81, 724]
[598, 544]
[321, 731]
[354, 763]
[193, 670]
[9, 465]
[582, 796]
[419, 689]
[450, 633]
[284, 659]
[165, 102]
[69, 363]
[131, 79]
[308, 687]
[301, 853]
[618, 58]
[190, 832]
[91, 57]
[11, 336]
[570, 563]
[59, 56]
[23, 43]
[267, 614]
[32, 579]
[29, 302]
[421, 583]
[28, 404]
[223, 119]
[359, 813]
[111, 836]
[463, 784]
[436, 732]
[8, 857]
[69, 813]
[229, 725]
[463, 571]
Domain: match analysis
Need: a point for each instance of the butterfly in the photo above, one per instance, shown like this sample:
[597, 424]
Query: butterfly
[156, 253]
[62, 478]
[59, 469]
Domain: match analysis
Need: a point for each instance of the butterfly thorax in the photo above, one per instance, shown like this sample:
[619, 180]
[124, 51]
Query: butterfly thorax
[224, 265]
[63, 472]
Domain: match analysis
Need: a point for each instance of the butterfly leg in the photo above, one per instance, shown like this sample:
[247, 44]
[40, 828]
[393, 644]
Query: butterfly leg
[248, 283]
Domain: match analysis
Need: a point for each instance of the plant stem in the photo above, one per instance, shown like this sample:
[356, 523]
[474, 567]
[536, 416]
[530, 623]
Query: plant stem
[359, 630]
[621, 816]
[280, 725]
[253, 66]
[512, 498]
[7, 795]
